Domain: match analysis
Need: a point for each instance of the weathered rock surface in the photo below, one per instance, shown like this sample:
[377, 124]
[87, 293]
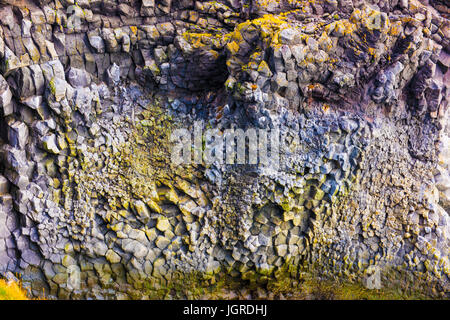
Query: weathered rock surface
[91, 206]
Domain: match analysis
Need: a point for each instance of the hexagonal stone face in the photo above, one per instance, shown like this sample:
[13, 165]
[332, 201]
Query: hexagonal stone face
[281, 250]
[60, 278]
[151, 234]
[68, 261]
[163, 224]
[100, 248]
[142, 210]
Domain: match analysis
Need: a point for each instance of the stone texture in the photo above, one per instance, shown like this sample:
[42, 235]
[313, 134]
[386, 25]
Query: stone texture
[358, 91]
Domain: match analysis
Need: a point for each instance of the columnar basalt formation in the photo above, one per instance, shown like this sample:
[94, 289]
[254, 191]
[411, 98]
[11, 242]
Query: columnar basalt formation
[90, 91]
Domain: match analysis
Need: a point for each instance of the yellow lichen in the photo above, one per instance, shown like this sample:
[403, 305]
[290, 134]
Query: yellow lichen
[11, 290]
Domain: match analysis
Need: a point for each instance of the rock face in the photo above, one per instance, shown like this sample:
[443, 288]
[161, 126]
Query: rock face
[92, 207]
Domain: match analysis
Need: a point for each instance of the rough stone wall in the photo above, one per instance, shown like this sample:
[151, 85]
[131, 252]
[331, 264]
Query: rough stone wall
[90, 205]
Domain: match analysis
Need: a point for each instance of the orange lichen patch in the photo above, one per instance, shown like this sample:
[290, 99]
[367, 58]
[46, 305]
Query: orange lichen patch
[267, 27]
[265, 32]
[405, 20]
[332, 63]
[358, 53]
[195, 40]
[370, 19]
[214, 37]
[252, 65]
[254, 61]
[237, 36]
[426, 32]
[364, 38]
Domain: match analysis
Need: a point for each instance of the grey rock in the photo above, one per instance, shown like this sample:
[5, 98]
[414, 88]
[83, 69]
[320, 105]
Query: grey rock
[10, 62]
[78, 78]
[24, 85]
[282, 250]
[50, 144]
[298, 52]
[134, 247]
[83, 101]
[163, 224]
[280, 81]
[97, 43]
[143, 214]
[31, 257]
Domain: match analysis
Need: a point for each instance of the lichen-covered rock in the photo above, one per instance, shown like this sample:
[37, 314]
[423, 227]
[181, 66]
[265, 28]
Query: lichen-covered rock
[91, 205]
